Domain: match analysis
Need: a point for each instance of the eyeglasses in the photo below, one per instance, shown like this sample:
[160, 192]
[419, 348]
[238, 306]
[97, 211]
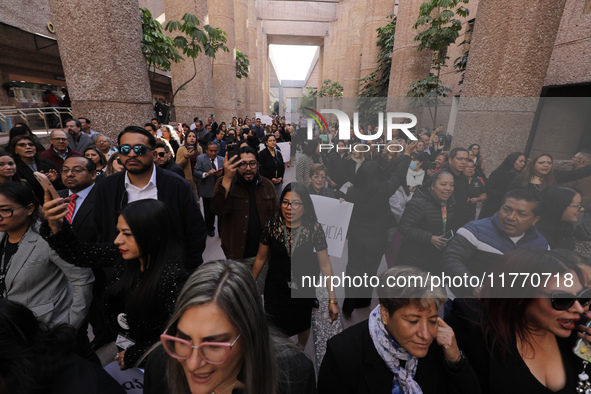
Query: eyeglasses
[6, 213]
[25, 144]
[578, 206]
[139, 149]
[561, 301]
[319, 177]
[211, 352]
[161, 154]
[251, 164]
[102, 141]
[294, 204]
[75, 170]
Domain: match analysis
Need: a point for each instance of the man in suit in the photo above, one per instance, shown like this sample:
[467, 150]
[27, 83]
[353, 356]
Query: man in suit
[209, 168]
[142, 179]
[164, 159]
[58, 151]
[78, 140]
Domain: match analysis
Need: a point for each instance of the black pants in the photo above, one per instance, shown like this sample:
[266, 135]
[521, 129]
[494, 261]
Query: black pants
[210, 216]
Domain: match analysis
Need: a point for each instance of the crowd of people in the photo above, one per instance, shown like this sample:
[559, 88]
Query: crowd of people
[119, 244]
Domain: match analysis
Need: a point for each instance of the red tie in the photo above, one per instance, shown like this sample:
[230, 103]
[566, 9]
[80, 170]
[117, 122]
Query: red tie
[213, 164]
[71, 207]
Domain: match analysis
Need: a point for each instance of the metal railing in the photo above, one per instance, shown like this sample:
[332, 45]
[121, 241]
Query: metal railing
[12, 115]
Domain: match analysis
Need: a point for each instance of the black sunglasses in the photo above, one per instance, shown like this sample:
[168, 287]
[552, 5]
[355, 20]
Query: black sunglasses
[139, 149]
[561, 301]
[161, 154]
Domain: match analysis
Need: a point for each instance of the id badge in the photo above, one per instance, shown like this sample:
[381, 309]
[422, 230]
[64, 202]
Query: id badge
[123, 342]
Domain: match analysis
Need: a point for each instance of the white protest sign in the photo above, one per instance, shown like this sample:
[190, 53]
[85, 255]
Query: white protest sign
[345, 187]
[288, 118]
[334, 218]
[258, 114]
[266, 119]
[132, 379]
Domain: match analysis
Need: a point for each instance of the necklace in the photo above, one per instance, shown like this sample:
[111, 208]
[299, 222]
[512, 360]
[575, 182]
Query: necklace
[227, 388]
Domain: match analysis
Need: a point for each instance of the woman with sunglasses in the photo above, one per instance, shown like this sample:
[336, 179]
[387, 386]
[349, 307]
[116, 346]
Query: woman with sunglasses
[149, 271]
[560, 210]
[27, 161]
[295, 245]
[520, 339]
[114, 164]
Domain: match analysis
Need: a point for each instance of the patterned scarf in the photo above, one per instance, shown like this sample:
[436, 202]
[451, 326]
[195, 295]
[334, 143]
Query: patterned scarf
[391, 352]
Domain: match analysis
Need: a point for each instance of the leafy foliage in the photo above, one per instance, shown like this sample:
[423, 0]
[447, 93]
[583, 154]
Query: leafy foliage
[461, 62]
[161, 50]
[330, 89]
[442, 30]
[242, 64]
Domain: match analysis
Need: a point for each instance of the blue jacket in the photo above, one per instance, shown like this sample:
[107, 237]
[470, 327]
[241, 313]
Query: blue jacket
[478, 245]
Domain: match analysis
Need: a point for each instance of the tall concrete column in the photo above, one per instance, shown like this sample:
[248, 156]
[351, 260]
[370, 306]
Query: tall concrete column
[515, 69]
[356, 20]
[341, 41]
[253, 78]
[329, 54]
[408, 65]
[221, 15]
[320, 63]
[376, 17]
[241, 22]
[196, 99]
[103, 62]
[266, 75]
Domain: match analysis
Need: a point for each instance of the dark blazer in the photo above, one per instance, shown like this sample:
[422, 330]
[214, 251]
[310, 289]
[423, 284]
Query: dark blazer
[171, 166]
[352, 365]
[83, 223]
[202, 166]
[174, 191]
[270, 167]
[26, 173]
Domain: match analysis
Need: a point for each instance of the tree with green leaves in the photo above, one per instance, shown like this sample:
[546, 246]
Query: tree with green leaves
[373, 89]
[161, 50]
[242, 64]
[330, 89]
[442, 30]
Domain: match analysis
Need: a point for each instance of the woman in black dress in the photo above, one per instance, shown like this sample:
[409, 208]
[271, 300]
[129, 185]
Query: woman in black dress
[271, 164]
[289, 241]
[499, 181]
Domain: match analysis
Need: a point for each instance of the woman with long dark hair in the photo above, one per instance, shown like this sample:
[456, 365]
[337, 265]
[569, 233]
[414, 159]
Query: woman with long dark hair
[560, 210]
[98, 158]
[37, 359]
[26, 157]
[539, 174]
[295, 245]
[30, 271]
[478, 161]
[187, 157]
[499, 181]
[525, 333]
[271, 164]
[149, 271]
[8, 168]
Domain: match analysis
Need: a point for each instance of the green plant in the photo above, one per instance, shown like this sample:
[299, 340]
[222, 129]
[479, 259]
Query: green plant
[374, 87]
[461, 62]
[442, 30]
[242, 64]
[161, 50]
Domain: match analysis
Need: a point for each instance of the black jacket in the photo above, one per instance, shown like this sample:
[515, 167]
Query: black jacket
[171, 166]
[271, 167]
[463, 211]
[496, 187]
[352, 365]
[83, 223]
[174, 191]
[421, 220]
[26, 173]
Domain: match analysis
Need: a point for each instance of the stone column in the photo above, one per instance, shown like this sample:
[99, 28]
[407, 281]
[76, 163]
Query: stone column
[408, 65]
[196, 99]
[516, 69]
[329, 54]
[341, 41]
[221, 15]
[263, 57]
[253, 78]
[266, 75]
[107, 75]
[241, 22]
[320, 63]
[356, 20]
[377, 12]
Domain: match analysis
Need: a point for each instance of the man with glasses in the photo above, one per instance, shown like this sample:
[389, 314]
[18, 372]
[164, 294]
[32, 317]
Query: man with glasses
[245, 201]
[476, 247]
[78, 140]
[164, 160]
[142, 179]
[208, 169]
[59, 150]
